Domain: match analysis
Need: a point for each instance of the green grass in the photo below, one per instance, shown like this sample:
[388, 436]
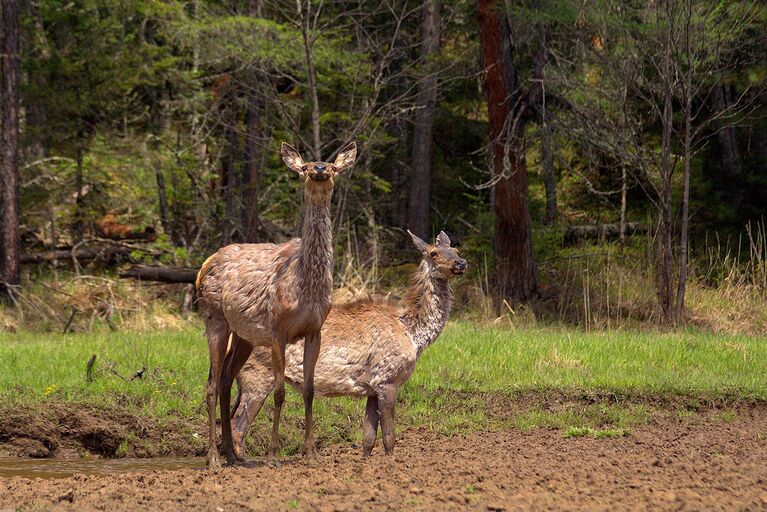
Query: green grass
[39, 367]
[469, 357]
[444, 394]
[728, 416]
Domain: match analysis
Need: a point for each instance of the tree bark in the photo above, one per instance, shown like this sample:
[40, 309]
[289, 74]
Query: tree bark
[728, 139]
[79, 220]
[516, 276]
[664, 257]
[622, 225]
[250, 223]
[420, 176]
[549, 176]
[545, 131]
[685, 214]
[304, 18]
[251, 230]
[9, 177]
[162, 198]
[228, 173]
[732, 164]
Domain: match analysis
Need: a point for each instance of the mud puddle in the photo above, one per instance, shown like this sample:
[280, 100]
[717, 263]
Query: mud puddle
[56, 468]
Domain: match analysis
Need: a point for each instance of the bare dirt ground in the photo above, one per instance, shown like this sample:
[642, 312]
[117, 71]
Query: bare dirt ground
[707, 462]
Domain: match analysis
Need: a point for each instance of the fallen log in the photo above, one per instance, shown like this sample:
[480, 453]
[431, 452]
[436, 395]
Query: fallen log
[161, 274]
[108, 254]
[574, 234]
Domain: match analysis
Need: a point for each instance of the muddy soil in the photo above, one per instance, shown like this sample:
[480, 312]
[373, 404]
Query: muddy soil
[702, 462]
[65, 430]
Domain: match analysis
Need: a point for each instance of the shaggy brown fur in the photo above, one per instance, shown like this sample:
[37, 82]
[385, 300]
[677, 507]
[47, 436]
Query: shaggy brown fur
[269, 295]
[369, 348]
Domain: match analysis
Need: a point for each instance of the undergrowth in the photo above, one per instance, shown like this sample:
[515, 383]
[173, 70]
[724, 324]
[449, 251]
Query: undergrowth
[595, 286]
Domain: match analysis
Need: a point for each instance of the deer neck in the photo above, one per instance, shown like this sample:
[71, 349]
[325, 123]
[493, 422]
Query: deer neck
[426, 306]
[315, 258]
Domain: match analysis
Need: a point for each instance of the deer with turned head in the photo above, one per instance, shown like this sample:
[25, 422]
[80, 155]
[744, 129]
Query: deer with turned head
[271, 295]
[369, 348]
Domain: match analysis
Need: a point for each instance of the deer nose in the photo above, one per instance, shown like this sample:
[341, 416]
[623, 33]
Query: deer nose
[460, 265]
[320, 168]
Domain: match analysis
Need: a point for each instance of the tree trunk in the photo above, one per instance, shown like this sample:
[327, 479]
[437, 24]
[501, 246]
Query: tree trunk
[732, 165]
[728, 139]
[685, 220]
[251, 231]
[665, 256]
[162, 197]
[624, 189]
[250, 224]
[304, 17]
[228, 179]
[544, 130]
[549, 176]
[9, 177]
[79, 220]
[515, 268]
[420, 176]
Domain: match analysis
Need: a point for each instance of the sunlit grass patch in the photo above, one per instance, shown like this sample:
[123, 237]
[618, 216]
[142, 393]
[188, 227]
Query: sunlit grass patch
[728, 416]
[596, 433]
[473, 357]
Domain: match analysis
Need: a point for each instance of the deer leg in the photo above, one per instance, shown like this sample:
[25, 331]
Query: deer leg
[217, 331]
[387, 401]
[278, 370]
[311, 353]
[254, 384]
[237, 356]
[370, 428]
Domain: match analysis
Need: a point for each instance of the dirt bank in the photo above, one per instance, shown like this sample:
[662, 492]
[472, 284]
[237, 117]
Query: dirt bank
[72, 430]
[705, 461]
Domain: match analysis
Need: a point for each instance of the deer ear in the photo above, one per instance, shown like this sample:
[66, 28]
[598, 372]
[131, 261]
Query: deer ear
[346, 157]
[443, 239]
[292, 158]
[419, 244]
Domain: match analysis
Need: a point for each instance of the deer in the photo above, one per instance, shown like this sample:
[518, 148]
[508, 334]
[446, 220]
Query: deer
[369, 349]
[271, 295]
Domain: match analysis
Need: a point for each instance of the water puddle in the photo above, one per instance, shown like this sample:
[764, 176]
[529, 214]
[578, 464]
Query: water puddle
[56, 468]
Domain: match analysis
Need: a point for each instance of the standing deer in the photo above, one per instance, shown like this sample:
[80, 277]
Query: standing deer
[269, 295]
[369, 348]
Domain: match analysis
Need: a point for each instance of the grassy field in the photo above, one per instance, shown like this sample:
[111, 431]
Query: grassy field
[452, 389]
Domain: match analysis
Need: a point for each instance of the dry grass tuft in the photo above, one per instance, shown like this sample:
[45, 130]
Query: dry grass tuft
[62, 302]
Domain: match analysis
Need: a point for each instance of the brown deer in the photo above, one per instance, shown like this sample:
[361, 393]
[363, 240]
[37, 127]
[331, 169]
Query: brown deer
[369, 349]
[271, 295]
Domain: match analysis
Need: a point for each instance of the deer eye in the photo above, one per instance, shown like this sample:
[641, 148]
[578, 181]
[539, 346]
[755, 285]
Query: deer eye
[433, 254]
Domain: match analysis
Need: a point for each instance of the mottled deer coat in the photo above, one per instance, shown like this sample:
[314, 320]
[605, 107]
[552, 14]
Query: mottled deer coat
[369, 349]
[269, 295]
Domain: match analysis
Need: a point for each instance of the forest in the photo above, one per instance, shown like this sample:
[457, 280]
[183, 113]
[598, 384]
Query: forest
[148, 132]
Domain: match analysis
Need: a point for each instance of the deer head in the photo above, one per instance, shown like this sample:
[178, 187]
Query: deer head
[441, 257]
[319, 172]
